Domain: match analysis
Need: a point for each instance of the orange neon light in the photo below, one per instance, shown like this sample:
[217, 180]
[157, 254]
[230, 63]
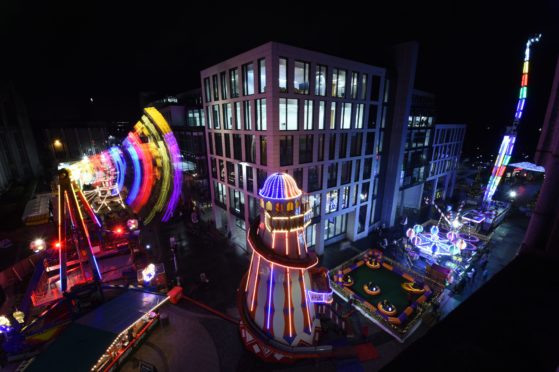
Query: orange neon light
[255, 284]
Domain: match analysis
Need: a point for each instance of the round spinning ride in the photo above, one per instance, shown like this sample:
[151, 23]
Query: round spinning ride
[144, 172]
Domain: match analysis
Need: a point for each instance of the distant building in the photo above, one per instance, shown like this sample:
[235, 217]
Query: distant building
[18, 152]
[431, 156]
[312, 115]
[445, 156]
[70, 141]
[184, 112]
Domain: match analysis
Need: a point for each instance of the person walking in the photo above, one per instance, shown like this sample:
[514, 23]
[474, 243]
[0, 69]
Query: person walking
[485, 274]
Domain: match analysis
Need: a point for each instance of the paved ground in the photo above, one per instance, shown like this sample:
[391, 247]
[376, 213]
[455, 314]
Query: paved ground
[197, 340]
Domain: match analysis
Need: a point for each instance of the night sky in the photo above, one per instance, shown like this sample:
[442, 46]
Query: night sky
[58, 56]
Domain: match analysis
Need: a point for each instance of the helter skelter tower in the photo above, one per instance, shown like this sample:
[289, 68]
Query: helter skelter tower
[274, 300]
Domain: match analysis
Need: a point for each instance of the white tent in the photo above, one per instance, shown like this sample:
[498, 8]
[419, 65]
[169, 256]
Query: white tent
[528, 166]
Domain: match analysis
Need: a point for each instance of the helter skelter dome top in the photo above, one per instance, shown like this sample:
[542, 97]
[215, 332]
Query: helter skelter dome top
[280, 186]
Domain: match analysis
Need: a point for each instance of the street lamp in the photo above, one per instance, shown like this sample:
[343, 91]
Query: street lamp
[512, 194]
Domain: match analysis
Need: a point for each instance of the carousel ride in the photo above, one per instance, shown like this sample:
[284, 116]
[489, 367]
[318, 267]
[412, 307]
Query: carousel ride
[452, 234]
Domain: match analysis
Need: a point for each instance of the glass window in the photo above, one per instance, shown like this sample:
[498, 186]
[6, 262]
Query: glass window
[373, 110]
[354, 84]
[364, 192]
[227, 145]
[332, 146]
[218, 144]
[286, 150]
[346, 172]
[208, 115]
[356, 142]
[237, 202]
[216, 87]
[288, 114]
[363, 94]
[240, 175]
[305, 148]
[370, 144]
[207, 90]
[214, 167]
[346, 116]
[359, 116]
[331, 201]
[247, 111]
[321, 114]
[298, 177]
[220, 194]
[237, 147]
[231, 173]
[335, 226]
[263, 150]
[321, 147]
[310, 235]
[282, 80]
[261, 177]
[332, 115]
[315, 179]
[234, 81]
[248, 79]
[221, 170]
[223, 78]
[261, 75]
[261, 114]
[215, 114]
[238, 124]
[345, 197]
[301, 77]
[367, 168]
[250, 178]
[307, 115]
[227, 116]
[332, 174]
[338, 83]
[320, 80]
[375, 87]
[250, 148]
[343, 145]
[357, 170]
[362, 218]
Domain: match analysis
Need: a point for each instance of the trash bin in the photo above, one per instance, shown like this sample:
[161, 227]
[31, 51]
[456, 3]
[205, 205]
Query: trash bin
[164, 319]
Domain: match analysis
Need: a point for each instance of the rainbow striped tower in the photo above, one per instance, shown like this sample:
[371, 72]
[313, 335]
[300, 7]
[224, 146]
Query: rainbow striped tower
[274, 300]
[505, 151]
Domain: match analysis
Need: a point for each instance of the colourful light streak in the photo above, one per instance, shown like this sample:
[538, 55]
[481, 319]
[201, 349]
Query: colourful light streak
[507, 145]
[116, 155]
[137, 173]
[147, 172]
[249, 271]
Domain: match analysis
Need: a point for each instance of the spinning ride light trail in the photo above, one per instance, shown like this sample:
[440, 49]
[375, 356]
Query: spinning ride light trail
[150, 185]
[505, 151]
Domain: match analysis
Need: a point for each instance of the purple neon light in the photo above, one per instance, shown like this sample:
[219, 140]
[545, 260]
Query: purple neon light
[270, 297]
[280, 186]
[174, 151]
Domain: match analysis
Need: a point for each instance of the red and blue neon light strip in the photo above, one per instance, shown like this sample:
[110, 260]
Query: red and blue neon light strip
[137, 172]
[120, 164]
[144, 156]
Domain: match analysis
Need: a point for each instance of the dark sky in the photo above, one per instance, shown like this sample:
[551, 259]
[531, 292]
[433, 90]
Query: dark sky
[470, 54]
